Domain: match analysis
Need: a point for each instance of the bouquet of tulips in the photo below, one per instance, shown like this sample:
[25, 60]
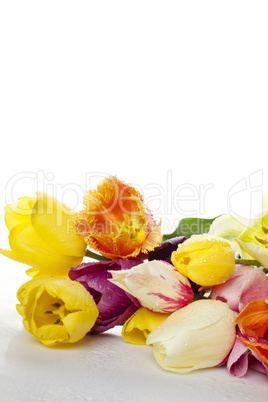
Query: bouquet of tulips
[199, 296]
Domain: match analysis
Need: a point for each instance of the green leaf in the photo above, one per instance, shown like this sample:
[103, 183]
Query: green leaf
[190, 226]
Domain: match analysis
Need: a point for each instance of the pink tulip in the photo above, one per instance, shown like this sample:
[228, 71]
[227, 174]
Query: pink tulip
[157, 285]
[245, 285]
[242, 358]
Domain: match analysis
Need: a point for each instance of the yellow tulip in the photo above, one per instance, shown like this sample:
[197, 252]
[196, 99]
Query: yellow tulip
[56, 310]
[205, 259]
[42, 236]
[137, 328]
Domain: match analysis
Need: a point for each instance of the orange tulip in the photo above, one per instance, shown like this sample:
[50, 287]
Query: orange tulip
[253, 320]
[115, 222]
[261, 349]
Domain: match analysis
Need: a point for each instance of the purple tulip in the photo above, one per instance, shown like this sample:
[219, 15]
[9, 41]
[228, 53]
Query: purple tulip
[115, 305]
[164, 251]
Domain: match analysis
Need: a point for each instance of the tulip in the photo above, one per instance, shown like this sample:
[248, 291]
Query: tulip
[114, 305]
[56, 310]
[137, 328]
[167, 247]
[254, 239]
[253, 320]
[245, 285]
[253, 323]
[250, 239]
[242, 358]
[205, 259]
[197, 336]
[229, 227]
[41, 235]
[116, 223]
[259, 347]
[156, 284]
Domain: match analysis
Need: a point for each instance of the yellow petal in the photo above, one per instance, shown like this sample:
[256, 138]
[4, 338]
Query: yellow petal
[53, 222]
[27, 247]
[137, 328]
[51, 335]
[14, 215]
[80, 322]
[205, 259]
[56, 310]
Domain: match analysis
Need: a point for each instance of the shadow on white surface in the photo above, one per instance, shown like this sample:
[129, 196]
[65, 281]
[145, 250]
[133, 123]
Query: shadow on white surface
[105, 368]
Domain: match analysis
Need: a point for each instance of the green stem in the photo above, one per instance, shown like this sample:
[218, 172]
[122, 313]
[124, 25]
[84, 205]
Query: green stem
[248, 262]
[96, 256]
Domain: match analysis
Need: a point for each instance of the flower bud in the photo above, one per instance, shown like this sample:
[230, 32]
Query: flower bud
[205, 259]
[114, 305]
[157, 285]
[116, 223]
[197, 336]
[56, 310]
[42, 236]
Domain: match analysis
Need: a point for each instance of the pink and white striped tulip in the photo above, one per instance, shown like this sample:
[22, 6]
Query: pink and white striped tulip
[157, 285]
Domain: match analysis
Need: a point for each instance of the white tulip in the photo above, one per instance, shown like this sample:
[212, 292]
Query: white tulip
[197, 336]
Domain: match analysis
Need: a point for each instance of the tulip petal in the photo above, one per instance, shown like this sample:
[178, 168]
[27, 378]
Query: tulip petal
[245, 285]
[137, 328]
[27, 247]
[115, 222]
[254, 239]
[56, 310]
[53, 222]
[15, 215]
[205, 259]
[229, 227]
[258, 253]
[114, 305]
[237, 364]
[79, 322]
[197, 336]
[156, 284]
[41, 236]
[261, 349]
[242, 358]
[253, 320]
[256, 227]
[167, 247]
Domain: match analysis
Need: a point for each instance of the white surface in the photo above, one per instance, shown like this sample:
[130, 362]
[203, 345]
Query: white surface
[170, 96]
[101, 368]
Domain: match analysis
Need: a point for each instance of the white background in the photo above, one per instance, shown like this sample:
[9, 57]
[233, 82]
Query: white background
[170, 96]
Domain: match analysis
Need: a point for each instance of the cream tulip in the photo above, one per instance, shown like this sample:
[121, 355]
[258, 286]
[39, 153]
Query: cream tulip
[197, 336]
